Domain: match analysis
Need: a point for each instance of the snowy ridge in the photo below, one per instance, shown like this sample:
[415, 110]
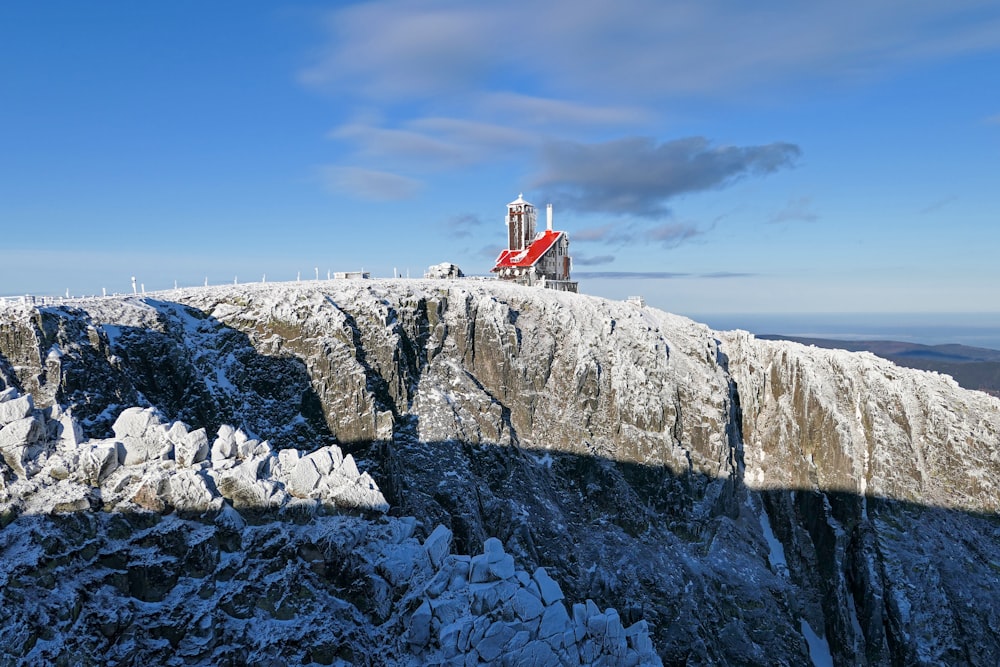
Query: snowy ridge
[640, 459]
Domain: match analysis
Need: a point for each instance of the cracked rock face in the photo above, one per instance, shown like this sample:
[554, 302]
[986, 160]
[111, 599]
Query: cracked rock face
[722, 499]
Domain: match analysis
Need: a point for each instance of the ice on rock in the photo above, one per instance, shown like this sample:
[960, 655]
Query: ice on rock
[189, 492]
[224, 446]
[68, 433]
[100, 461]
[287, 459]
[326, 459]
[16, 440]
[241, 486]
[491, 646]
[555, 623]
[420, 626]
[142, 435]
[8, 394]
[527, 606]
[246, 447]
[547, 586]
[177, 431]
[348, 468]
[22, 432]
[437, 545]
[191, 448]
[304, 478]
[16, 408]
[134, 422]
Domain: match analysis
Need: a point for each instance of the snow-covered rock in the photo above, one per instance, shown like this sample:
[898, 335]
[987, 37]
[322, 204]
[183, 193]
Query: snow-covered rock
[15, 407]
[142, 436]
[191, 447]
[629, 453]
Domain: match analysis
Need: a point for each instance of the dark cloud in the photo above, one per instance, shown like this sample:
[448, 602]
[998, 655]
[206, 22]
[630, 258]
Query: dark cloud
[637, 176]
[584, 260]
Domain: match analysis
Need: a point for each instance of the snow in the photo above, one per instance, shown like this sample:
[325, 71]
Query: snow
[819, 649]
[776, 552]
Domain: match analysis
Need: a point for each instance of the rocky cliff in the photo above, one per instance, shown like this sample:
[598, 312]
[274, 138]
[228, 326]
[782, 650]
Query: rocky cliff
[724, 500]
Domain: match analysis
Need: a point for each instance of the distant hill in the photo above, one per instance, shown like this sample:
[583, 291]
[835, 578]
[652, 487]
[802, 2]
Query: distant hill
[972, 367]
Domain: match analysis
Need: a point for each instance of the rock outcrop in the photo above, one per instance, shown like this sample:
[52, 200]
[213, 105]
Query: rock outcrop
[747, 502]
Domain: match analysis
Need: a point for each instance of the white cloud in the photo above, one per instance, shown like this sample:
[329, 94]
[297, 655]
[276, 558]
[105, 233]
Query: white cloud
[642, 49]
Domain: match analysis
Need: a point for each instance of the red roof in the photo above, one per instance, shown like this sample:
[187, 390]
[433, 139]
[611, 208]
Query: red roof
[527, 257]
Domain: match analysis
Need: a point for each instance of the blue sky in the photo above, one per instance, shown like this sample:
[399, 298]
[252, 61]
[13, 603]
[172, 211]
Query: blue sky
[714, 157]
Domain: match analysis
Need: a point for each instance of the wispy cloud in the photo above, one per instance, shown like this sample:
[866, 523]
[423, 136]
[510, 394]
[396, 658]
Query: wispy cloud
[727, 274]
[464, 225]
[369, 183]
[656, 275]
[549, 112]
[638, 175]
[597, 260]
[672, 234]
[398, 50]
[937, 205]
[796, 210]
[489, 251]
[629, 275]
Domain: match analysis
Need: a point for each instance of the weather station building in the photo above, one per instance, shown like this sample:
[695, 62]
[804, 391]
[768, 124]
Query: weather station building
[542, 259]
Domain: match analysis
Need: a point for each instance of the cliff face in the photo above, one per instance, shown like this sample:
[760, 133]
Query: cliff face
[754, 502]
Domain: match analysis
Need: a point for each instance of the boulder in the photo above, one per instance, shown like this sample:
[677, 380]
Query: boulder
[224, 446]
[547, 586]
[242, 487]
[188, 492]
[16, 408]
[142, 436]
[16, 440]
[191, 448]
[304, 478]
[99, 462]
[438, 545]
[134, 422]
[68, 433]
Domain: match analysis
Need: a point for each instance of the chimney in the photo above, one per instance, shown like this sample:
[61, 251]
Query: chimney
[548, 217]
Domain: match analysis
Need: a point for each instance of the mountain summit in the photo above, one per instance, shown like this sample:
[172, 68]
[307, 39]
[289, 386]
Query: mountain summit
[417, 472]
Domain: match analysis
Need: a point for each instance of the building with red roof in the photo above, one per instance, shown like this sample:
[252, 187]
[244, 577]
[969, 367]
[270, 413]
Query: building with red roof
[534, 259]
